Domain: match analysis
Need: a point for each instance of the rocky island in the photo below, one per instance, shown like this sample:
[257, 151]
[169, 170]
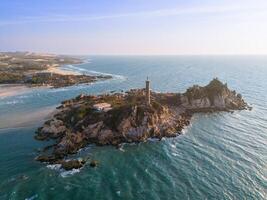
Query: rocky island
[32, 69]
[133, 116]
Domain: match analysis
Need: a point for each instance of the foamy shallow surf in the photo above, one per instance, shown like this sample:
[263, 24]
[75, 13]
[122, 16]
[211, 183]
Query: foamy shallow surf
[91, 72]
[63, 173]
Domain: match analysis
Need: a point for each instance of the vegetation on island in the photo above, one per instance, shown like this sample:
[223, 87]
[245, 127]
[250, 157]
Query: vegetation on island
[128, 117]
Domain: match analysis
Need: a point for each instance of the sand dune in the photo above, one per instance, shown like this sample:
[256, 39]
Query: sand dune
[58, 70]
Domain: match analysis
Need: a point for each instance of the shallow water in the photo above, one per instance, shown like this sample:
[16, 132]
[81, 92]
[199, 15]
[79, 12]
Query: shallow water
[220, 156]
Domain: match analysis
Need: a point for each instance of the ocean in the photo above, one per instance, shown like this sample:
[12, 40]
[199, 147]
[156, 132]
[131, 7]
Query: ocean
[219, 156]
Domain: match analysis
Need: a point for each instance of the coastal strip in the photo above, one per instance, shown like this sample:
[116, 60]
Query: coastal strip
[35, 70]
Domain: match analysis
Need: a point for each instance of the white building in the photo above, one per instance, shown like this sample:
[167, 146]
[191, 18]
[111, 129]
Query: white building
[102, 107]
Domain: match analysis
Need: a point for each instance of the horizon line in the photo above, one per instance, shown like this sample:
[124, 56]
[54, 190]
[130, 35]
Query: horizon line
[117, 54]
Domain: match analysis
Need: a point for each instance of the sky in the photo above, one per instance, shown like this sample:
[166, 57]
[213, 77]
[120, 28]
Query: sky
[134, 27]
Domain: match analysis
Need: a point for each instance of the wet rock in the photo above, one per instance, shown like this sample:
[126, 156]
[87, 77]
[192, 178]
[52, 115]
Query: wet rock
[46, 158]
[94, 163]
[72, 164]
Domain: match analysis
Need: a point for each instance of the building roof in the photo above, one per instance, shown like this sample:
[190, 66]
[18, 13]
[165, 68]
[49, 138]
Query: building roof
[102, 106]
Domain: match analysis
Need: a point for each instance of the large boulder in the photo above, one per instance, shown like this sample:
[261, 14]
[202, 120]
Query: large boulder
[53, 128]
[72, 164]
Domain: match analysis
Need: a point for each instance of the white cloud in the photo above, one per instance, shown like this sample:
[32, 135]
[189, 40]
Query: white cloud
[152, 13]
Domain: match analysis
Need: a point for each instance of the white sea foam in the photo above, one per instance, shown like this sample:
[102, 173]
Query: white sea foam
[54, 167]
[121, 147]
[92, 72]
[65, 173]
[185, 130]
[153, 139]
[175, 154]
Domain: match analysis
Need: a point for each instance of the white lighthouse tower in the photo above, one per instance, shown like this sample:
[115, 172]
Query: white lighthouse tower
[147, 92]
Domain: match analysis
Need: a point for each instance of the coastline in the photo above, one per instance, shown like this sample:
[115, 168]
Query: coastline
[59, 70]
[36, 71]
[9, 90]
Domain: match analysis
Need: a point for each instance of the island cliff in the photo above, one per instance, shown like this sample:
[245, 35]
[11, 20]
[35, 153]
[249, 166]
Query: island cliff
[112, 119]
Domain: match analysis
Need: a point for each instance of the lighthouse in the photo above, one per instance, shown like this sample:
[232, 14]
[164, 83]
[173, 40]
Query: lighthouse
[147, 92]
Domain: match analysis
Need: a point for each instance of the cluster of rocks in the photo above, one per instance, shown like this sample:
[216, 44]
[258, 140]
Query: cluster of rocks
[77, 123]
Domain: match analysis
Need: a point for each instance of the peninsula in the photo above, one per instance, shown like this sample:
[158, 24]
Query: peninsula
[133, 116]
[35, 69]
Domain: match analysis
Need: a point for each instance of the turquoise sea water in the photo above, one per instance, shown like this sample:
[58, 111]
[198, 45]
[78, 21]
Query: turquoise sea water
[220, 156]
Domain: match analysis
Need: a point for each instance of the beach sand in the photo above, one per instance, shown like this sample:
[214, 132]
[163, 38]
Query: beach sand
[59, 70]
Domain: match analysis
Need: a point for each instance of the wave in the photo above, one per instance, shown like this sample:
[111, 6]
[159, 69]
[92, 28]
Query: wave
[91, 72]
[63, 173]
[175, 154]
[54, 167]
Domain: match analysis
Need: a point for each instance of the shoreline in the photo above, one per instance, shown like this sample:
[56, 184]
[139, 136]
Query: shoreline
[10, 89]
[60, 71]
[43, 71]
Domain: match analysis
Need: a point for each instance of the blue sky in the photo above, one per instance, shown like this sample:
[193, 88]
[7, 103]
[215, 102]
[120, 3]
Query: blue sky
[134, 26]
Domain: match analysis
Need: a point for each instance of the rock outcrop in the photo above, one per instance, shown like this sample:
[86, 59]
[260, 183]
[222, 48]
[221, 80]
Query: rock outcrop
[77, 122]
[215, 95]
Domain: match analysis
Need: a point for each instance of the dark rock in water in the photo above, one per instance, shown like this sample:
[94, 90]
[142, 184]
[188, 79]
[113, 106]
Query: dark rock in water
[94, 163]
[113, 119]
[72, 164]
[46, 158]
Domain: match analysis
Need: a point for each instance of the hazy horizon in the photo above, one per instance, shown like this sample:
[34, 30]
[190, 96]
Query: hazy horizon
[135, 27]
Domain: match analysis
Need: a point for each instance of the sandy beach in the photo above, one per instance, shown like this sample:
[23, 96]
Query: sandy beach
[59, 70]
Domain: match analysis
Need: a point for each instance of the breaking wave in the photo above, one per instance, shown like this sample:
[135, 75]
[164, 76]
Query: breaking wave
[91, 72]
[63, 173]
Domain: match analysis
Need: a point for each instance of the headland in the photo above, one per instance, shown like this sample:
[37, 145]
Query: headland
[130, 117]
[35, 69]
